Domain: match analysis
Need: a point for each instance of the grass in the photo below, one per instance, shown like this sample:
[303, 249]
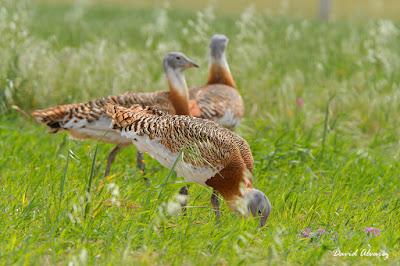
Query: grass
[321, 118]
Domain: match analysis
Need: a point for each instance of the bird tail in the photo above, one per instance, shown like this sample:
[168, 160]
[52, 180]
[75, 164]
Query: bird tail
[52, 117]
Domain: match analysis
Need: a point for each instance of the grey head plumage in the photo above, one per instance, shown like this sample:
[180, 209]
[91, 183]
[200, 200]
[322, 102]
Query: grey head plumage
[177, 61]
[218, 44]
[258, 205]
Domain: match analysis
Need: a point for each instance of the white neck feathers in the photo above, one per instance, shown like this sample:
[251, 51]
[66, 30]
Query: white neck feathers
[219, 61]
[177, 81]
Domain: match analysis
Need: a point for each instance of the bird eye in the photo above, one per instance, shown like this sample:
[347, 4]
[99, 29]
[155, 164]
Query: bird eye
[178, 58]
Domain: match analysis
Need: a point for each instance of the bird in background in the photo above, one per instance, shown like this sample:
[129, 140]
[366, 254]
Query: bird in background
[199, 150]
[218, 100]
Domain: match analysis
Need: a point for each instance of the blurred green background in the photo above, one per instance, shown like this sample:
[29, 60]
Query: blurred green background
[389, 9]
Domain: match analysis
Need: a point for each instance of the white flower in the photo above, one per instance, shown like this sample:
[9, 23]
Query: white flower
[83, 256]
[173, 208]
[182, 199]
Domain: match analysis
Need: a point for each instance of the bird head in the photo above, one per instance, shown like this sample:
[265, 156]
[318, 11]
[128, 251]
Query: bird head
[177, 61]
[218, 44]
[257, 204]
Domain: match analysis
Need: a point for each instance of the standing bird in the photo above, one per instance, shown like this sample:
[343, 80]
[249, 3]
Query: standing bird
[201, 150]
[90, 120]
[218, 100]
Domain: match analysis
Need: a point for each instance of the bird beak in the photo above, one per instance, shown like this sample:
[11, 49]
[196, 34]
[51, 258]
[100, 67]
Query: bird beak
[258, 205]
[264, 217]
[265, 213]
[192, 64]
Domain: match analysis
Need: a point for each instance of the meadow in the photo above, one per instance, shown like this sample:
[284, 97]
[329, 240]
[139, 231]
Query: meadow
[322, 119]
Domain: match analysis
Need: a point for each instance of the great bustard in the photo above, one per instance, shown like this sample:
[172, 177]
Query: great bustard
[90, 120]
[219, 101]
[202, 151]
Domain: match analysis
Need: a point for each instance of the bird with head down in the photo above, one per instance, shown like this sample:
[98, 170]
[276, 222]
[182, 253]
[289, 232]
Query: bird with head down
[199, 150]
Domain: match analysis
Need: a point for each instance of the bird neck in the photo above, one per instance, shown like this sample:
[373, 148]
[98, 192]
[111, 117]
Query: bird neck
[240, 204]
[219, 72]
[232, 183]
[178, 91]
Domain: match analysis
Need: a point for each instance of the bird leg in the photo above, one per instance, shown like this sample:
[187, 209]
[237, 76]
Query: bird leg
[140, 165]
[183, 197]
[111, 158]
[215, 205]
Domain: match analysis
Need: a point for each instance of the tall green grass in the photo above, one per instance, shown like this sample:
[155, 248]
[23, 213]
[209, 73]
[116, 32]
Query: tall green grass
[321, 118]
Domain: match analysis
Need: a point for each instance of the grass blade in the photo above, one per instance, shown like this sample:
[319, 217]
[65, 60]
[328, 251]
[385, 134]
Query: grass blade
[326, 120]
[89, 183]
[169, 175]
[63, 177]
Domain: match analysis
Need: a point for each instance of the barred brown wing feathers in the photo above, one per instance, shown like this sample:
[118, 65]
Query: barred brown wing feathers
[219, 103]
[245, 152]
[159, 99]
[203, 142]
[53, 113]
[69, 115]
[54, 117]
